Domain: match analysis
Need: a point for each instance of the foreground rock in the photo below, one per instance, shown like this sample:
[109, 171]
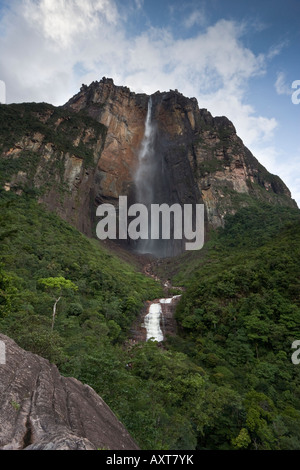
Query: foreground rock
[42, 410]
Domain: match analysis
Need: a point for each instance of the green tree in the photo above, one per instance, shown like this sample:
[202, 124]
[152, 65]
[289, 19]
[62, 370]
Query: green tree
[243, 440]
[57, 286]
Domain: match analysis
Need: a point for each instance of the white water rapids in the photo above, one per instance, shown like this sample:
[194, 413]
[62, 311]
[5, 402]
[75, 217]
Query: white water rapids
[152, 323]
[154, 318]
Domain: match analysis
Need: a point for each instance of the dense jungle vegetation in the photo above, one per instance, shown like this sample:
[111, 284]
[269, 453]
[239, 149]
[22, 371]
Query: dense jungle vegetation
[226, 381]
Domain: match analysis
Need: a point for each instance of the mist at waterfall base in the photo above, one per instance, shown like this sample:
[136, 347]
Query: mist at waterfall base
[152, 186]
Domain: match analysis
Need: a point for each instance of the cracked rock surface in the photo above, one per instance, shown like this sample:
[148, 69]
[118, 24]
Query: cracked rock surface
[42, 410]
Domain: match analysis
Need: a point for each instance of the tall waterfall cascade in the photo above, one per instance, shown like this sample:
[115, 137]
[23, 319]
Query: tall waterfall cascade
[155, 187]
[145, 177]
[152, 185]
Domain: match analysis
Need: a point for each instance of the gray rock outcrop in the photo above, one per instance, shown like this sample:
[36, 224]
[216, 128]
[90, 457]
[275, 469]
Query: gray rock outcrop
[42, 410]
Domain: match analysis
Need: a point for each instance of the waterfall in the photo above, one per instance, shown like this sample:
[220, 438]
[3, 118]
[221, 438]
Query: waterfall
[153, 184]
[156, 318]
[144, 174]
[152, 323]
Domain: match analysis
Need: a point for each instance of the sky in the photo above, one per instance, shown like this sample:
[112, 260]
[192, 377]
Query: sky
[239, 58]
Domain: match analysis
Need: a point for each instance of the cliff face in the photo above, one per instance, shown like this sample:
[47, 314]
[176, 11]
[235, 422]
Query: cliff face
[201, 158]
[53, 154]
[206, 156]
[86, 153]
[123, 113]
[42, 410]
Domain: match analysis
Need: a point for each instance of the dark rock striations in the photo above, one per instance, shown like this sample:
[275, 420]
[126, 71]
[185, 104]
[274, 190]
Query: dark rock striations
[42, 410]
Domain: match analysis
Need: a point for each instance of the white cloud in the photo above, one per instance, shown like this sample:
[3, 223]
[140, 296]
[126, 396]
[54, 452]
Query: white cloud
[51, 36]
[139, 4]
[47, 38]
[276, 49]
[281, 85]
[196, 17]
[44, 40]
[61, 21]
